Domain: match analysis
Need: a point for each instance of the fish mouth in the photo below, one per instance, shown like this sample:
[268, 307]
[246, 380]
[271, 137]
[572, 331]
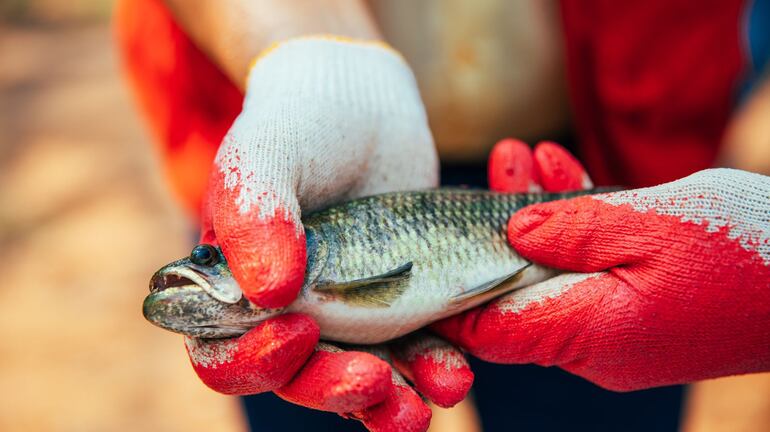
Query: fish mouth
[224, 289]
[177, 277]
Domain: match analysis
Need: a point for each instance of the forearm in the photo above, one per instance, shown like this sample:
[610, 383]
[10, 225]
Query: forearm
[746, 144]
[233, 32]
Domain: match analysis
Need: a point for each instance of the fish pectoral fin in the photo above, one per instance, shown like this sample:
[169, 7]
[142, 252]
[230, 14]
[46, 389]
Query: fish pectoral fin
[400, 273]
[374, 291]
[488, 290]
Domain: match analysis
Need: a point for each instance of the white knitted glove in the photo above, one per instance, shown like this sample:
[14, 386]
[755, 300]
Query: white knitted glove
[324, 119]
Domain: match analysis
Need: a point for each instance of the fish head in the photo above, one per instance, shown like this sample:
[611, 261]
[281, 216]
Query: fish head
[198, 296]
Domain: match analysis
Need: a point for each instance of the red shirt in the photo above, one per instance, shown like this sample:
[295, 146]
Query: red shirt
[652, 84]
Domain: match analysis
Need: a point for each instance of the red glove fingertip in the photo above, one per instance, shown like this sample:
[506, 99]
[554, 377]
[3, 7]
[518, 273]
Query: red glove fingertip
[268, 259]
[527, 220]
[444, 381]
[339, 381]
[266, 255]
[261, 360]
[553, 234]
[438, 370]
[585, 234]
[558, 170]
[402, 411]
[510, 167]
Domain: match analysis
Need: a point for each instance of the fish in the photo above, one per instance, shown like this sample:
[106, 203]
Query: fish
[378, 268]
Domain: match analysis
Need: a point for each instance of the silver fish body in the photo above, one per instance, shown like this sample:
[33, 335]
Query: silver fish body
[378, 268]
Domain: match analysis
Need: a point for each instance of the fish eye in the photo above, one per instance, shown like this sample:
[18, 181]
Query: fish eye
[204, 255]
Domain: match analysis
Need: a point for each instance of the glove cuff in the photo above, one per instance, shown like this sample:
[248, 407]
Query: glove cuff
[324, 37]
[368, 76]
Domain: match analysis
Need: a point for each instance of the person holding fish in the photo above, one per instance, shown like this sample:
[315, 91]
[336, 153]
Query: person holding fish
[306, 106]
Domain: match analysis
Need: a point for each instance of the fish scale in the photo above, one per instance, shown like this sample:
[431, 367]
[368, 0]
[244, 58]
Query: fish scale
[378, 267]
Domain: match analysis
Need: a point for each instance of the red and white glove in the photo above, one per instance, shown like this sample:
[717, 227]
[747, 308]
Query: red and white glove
[324, 119]
[675, 284]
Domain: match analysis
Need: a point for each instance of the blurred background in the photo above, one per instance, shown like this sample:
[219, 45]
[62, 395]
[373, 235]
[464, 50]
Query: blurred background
[85, 218]
[84, 221]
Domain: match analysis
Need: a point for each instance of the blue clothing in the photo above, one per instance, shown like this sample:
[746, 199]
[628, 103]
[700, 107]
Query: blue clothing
[530, 397]
[757, 38]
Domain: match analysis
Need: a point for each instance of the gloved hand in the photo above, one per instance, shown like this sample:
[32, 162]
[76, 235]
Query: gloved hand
[675, 285]
[283, 355]
[323, 120]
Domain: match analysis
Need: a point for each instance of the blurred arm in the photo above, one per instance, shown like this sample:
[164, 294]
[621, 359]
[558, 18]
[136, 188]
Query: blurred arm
[233, 32]
[747, 139]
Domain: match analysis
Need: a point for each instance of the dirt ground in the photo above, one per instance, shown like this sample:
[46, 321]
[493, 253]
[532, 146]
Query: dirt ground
[84, 222]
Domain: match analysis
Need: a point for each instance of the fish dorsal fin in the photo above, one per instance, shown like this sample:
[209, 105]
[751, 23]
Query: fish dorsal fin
[488, 290]
[374, 291]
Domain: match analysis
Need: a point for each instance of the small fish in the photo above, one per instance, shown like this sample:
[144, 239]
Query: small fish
[377, 268]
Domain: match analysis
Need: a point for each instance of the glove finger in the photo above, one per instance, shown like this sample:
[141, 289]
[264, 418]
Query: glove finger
[255, 216]
[402, 410]
[543, 323]
[263, 359]
[591, 234]
[438, 370]
[207, 234]
[511, 169]
[339, 381]
[558, 170]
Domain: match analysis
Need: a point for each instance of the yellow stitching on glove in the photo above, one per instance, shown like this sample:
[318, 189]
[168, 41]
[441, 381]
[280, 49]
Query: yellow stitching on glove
[329, 37]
